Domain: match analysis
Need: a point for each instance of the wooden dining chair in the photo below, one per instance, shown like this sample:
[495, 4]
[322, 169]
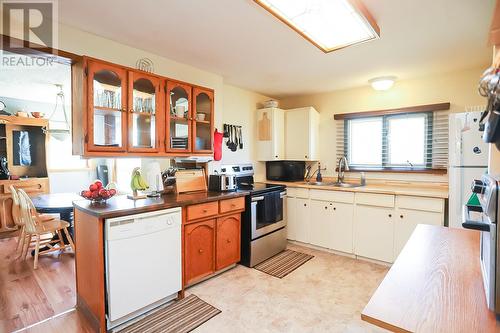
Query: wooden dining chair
[16, 216]
[36, 229]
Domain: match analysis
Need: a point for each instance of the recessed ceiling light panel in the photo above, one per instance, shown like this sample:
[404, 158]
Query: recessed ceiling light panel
[328, 24]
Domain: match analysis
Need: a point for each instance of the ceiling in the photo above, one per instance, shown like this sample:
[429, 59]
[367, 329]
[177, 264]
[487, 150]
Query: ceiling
[250, 48]
[35, 83]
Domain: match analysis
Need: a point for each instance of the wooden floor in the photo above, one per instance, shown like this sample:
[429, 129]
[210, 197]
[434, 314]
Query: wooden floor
[28, 296]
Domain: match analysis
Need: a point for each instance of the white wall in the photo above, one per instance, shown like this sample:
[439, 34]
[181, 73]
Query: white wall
[459, 88]
[239, 108]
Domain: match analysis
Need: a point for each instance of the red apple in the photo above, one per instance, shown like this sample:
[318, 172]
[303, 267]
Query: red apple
[98, 183]
[87, 194]
[103, 192]
[95, 195]
[93, 187]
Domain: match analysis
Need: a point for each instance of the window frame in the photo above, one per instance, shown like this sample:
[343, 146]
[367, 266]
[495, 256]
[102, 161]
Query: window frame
[385, 166]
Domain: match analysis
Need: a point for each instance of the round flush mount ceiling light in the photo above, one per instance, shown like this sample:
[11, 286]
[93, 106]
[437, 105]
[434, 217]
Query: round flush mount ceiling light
[382, 83]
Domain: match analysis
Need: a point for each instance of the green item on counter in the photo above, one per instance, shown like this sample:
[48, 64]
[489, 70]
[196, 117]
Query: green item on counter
[473, 200]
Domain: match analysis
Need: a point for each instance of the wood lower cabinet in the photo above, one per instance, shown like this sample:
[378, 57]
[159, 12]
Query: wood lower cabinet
[199, 250]
[228, 241]
[32, 186]
[211, 243]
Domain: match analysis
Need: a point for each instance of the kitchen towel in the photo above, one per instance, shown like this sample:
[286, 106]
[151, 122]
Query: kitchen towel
[218, 145]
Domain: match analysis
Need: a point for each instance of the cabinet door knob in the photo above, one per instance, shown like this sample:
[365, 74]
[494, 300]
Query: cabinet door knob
[326, 207]
[276, 156]
[200, 251]
[305, 205]
[228, 241]
[334, 208]
[401, 216]
[305, 156]
[205, 211]
[390, 215]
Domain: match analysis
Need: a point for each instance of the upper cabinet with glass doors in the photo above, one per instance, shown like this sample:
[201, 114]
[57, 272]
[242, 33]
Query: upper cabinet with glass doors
[145, 106]
[179, 117]
[203, 112]
[124, 111]
[107, 121]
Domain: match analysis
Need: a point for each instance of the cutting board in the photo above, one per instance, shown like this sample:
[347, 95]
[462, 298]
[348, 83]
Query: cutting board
[191, 180]
[264, 128]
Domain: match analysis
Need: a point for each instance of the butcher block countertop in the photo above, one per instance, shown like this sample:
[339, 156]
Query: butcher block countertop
[121, 205]
[397, 188]
[435, 285]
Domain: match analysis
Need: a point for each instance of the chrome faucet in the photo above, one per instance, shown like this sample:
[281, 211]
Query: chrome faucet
[343, 166]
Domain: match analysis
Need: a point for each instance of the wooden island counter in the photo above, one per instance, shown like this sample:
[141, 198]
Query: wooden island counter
[213, 213]
[435, 285]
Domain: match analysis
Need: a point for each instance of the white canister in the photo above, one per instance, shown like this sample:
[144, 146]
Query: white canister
[179, 111]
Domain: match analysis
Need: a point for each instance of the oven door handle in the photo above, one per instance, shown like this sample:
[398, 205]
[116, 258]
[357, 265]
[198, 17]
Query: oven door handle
[471, 224]
[282, 194]
[254, 199]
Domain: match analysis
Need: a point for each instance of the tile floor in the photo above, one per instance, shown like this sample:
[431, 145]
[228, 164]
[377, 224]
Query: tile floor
[326, 294]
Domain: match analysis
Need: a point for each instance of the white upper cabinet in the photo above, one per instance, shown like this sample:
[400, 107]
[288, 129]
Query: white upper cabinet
[270, 134]
[301, 134]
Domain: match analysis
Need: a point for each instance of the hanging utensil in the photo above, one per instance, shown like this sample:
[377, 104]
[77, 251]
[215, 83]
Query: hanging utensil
[228, 143]
[241, 138]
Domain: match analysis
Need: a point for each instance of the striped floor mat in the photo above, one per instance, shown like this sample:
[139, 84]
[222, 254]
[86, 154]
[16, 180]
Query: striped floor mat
[283, 263]
[182, 316]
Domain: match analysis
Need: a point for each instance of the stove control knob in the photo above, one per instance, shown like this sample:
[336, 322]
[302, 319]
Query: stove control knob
[478, 186]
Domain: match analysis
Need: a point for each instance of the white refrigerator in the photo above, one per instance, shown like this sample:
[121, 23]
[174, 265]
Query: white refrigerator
[468, 160]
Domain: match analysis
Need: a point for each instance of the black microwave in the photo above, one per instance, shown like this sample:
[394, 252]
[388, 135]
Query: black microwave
[288, 171]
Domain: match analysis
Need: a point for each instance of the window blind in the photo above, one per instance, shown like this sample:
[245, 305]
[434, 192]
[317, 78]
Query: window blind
[435, 137]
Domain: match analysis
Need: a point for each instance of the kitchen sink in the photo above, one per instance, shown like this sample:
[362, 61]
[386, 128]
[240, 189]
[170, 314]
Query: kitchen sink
[344, 184]
[317, 183]
[336, 184]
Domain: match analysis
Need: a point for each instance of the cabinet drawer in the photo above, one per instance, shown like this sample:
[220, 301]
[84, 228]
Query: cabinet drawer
[420, 203]
[30, 186]
[199, 211]
[231, 204]
[335, 196]
[379, 200]
[296, 192]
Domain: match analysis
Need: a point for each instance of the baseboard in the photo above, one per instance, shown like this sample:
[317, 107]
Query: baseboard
[82, 306]
[340, 253]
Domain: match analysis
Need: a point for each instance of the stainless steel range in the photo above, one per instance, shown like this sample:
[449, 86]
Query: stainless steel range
[263, 228]
[485, 219]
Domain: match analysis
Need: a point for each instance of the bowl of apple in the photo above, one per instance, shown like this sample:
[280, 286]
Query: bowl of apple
[97, 193]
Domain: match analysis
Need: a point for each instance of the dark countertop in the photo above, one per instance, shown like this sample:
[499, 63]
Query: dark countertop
[120, 205]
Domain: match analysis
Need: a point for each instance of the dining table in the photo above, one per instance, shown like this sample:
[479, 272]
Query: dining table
[57, 203]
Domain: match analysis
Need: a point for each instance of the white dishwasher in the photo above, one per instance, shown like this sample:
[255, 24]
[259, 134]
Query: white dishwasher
[143, 263]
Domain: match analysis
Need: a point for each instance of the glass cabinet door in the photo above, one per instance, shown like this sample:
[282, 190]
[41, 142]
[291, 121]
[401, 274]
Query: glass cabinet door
[203, 105]
[107, 103]
[179, 117]
[143, 102]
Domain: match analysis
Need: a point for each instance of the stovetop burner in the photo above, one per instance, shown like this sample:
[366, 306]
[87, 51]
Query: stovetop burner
[257, 188]
[244, 179]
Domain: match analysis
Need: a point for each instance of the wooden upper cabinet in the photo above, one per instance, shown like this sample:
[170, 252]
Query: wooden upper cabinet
[203, 120]
[179, 117]
[144, 114]
[228, 241]
[106, 108]
[118, 110]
